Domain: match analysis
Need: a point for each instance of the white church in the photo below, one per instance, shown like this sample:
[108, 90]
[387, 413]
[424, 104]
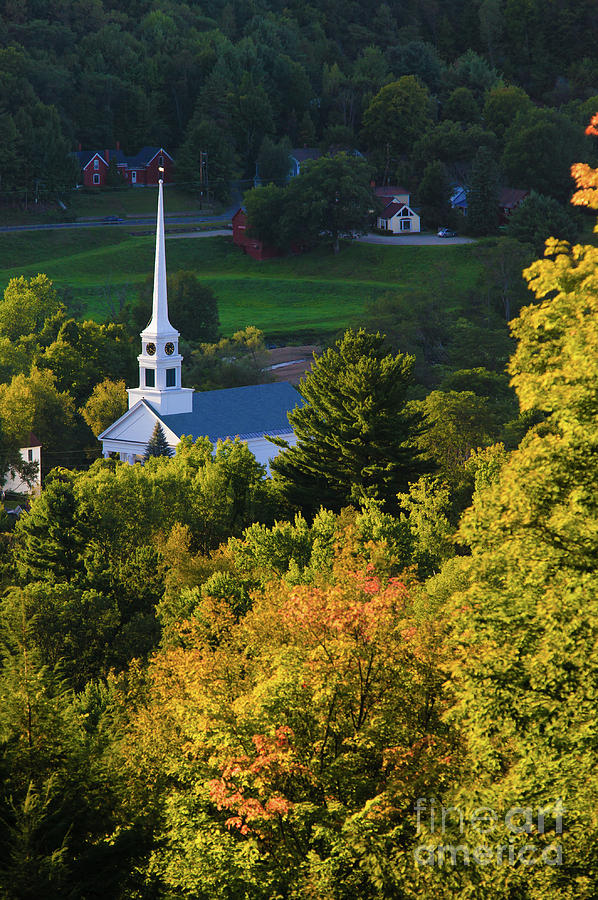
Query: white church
[249, 413]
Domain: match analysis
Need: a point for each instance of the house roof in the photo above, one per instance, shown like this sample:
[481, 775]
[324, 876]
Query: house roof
[33, 441]
[145, 156]
[139, 161]
[248, 412]
[303, 153]
[459, 196]
[391, 210]
[509, 198]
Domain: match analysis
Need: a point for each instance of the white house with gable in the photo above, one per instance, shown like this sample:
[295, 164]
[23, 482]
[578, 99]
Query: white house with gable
[249, 413]
[397, 216]
[14, 482]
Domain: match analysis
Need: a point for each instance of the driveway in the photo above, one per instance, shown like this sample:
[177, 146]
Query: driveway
[424, 240]
[215, 232]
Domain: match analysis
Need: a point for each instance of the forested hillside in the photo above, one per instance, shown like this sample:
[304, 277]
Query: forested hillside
[222, 75]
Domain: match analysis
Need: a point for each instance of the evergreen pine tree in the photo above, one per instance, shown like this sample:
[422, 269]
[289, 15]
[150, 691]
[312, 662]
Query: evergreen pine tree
[355, 434]
[157, 444]
[51, 539]
[482, 196]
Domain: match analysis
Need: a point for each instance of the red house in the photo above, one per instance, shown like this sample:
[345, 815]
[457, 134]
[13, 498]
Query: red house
[142, 169]
[256, 249]
[508, 200]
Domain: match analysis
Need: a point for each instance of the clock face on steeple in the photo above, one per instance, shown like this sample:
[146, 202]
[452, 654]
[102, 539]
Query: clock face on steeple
[169, 348]
[150, 349]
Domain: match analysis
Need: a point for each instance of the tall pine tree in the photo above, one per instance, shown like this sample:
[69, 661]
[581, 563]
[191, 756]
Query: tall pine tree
[482, 196]
[355, 434]
[157, 444]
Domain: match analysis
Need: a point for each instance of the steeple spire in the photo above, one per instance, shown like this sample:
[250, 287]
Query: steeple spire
[160, 323]
[160, 373]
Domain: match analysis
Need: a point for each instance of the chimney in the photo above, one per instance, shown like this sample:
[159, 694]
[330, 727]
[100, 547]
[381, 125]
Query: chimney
[118, 145]
[80, 147]
[107, 155]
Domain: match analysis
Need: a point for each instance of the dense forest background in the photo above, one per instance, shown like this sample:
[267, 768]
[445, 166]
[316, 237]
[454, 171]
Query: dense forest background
[225, 75]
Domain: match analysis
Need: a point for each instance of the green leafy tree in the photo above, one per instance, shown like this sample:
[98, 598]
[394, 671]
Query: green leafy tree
[461, 106]
[82, 353]
[157, 444]
[472, 71]
[232, 362]
[273, 161]
[502, 104]
[540, 147]
[210, 175]
[192, 307]
[395, 119]
[331, 197]
[11, 460]
[538, 218]
[482, 195]
[453, 144]
[525, 662]
[454, 425]
[27, 303]
[33, 403]
[251, 116]
[501, 280]
[355, 436]
[434, 194]
[107, 403]
[266, 207]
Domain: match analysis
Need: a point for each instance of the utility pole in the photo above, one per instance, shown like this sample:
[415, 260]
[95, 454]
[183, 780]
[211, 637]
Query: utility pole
[203, 176]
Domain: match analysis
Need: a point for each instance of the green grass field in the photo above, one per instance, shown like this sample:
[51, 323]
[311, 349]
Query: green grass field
[137, 201]
[85, 204]
[312, 295]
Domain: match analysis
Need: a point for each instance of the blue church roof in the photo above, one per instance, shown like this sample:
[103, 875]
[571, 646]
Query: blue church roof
[248, 412]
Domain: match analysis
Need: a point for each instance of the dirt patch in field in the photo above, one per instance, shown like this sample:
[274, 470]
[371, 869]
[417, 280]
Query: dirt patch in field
[291, 363]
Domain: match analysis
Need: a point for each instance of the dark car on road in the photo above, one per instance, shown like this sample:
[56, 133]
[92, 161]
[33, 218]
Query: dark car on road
[446, 232]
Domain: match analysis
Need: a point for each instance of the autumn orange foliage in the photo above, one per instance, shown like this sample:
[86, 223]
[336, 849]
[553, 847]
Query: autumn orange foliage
[585, 177]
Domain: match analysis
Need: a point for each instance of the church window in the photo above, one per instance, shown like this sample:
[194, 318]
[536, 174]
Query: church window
[170, 377]
[150, 378]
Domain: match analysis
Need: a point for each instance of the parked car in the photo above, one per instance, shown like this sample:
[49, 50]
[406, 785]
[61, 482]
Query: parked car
[446, 232]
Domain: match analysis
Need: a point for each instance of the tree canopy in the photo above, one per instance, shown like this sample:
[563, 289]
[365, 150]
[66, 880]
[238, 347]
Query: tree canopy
[355, 435]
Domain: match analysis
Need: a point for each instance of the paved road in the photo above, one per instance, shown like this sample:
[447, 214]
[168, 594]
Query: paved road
[214, 232]
[126, 223]
[400, 240]
[198, 219]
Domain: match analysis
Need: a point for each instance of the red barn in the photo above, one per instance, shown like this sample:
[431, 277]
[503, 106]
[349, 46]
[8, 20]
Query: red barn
[140, 169]
[256, 249]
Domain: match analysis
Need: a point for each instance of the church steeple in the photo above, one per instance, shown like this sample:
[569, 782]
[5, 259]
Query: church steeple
[160, 323]
[160, 361]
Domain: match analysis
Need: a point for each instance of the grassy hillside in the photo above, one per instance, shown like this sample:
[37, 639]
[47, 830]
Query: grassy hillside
[301, 296]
